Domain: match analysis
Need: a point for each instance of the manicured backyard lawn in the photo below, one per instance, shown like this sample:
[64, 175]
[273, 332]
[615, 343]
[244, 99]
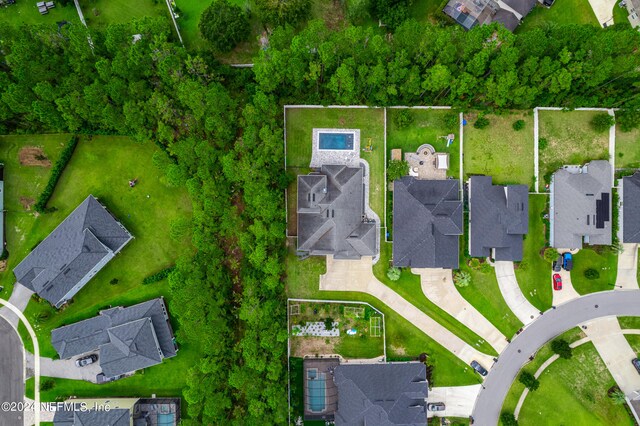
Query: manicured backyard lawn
[570, 140]
[574, 392]
[500, 151]
[101, 13]
[627, 148]
[562, 12]
[533, 272]
[404, 340]
[603, 261]
[26, 12]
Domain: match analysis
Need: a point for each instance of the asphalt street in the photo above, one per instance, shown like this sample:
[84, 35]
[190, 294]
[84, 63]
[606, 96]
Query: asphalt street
[487, 408]
[11, 375]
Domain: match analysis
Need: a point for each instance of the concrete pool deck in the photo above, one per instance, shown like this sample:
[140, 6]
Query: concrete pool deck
[348, 157]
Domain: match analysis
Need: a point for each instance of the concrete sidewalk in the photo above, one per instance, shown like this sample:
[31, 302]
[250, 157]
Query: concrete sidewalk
[357, 275]
[437, 286]
[627, 267]
[615, 351]
[458, 400]
[567, 293]
[19, 298]
[512, 293]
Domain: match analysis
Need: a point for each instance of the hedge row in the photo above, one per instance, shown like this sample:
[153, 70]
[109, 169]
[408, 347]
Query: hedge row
[65, 156]
[159, 276]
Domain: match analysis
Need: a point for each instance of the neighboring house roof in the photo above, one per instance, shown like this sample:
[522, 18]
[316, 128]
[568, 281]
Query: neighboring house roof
[128, 339]
[523, 7]
[331, 214]
[80, 246]
[114, 417]
[508, 19]
[470, 13]
[427, 222]
[580, 208]
[381, 394]
[498, 218]
[631, 208]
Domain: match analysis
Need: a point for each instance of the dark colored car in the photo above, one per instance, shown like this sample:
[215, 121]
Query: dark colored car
[567, 261]
[636, 364]
[548, 3]
[557, 282]
[436, 406]
[557, 264]
[479, 369]
[83, 362]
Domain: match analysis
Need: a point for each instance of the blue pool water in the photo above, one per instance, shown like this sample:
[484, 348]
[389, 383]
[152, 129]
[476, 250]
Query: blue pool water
[166, 419]
[316, 391]
[335, 140]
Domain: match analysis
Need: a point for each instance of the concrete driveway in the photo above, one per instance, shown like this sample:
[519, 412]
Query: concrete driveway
[615, 351]
[567, 293]
[19, 298]
[357, 275]
[603, 10]
[519, 305]
[628, 267]
[11, 374]
[458, 400]
[437, 286]
[65, 368]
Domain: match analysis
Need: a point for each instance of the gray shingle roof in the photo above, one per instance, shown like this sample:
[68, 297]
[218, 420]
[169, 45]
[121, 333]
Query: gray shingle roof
[80, 246]
[498, 218]
[427, 222]
[523, 7]
[127, 339]
[508, 19]
[576, 194]
[114, 417]
[381, 394]
[331, 212]
[631, 208]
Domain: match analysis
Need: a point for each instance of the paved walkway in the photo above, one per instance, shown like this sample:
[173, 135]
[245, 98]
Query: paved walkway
[627, 267]
[20, 297]
[437, 286]
[458, 400]
[615, 351]
[65, 368]
[357, 275]
[11, 373]
[603, 10]
[512, 293]
[567, 293]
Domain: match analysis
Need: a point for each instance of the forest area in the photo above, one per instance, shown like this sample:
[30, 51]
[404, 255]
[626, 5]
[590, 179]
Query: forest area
[223, 129]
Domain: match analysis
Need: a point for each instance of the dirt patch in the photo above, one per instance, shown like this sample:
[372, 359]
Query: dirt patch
[398, 350]
[3, 265]
[27, 203]
[302, 346]
[33, 156]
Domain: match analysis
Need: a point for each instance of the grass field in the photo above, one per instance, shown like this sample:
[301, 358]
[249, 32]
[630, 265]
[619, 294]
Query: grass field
[627, 148]
[426, 10]
[603, 261]
[500, 151]
[562, 12]
[629, 322]
[101, 13]
[570, 140]
[533, 272]
[26, 12]
[634, 341]
[574, 392]
[620, 14]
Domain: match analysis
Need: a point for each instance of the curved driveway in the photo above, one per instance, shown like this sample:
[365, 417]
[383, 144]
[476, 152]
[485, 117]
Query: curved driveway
[486, 410]
[11, 373]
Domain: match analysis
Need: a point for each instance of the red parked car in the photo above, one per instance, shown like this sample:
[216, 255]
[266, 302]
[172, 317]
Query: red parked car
[557, 282]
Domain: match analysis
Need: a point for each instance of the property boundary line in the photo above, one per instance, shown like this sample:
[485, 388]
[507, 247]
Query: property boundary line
[461, 131]
[536, 153]
[386, 184]
[175, 24]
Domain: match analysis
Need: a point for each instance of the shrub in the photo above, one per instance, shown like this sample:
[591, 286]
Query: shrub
[508, 419]
[58, 168]
[529, 381]
[114, 281]
[602, 122]
[47, 384]
[543, 143]
[474, 263]
[591, 274]
[403, 118]
[328, 323]
[5, 254]
[393, 273]
[628, 119]
[462, 278]
[518, 125]
[485, 267]
[357, 11]
[617, 396]
[158, 276]
[550, 254]
[396, 169]
[224, 25]
[481, 123]
[452, 121]
[277, 13]
[562, 348]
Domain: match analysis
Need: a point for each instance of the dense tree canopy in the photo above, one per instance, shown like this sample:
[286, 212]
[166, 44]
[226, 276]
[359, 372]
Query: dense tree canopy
[224, 25]
[281, 12]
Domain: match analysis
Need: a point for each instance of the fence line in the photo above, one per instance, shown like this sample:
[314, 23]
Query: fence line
[175, 24]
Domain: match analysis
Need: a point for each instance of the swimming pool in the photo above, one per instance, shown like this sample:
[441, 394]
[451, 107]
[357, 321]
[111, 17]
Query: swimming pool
[166, 419]
[335, 141]
[316, 390]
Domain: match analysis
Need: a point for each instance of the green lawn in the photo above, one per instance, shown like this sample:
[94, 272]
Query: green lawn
[500, 151]
[101, 13]
[533, 273]
[620, 14]
[570, 140]
[562, 12]
[427, 10]
[404, 340]
[634, 341]
[26, 12]
[603, 261]
[629, 322]
[627, 148]
[574, 392]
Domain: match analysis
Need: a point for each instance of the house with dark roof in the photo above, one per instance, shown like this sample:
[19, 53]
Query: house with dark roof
[118, 412]
[332, 217]
[381, 394]
[427, 223]
[470, 13]
[631, 208]
[126, 339]
[580, 205]
[73, 253]
[498, 219]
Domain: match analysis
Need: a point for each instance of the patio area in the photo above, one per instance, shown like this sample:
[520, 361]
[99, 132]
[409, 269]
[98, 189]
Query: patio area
[427, 164]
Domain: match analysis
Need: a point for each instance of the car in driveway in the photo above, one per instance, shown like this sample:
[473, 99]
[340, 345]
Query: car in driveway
[567, 261]
[557, 264]
[87, 360]
[636, 364]
[436, 406]
[479, 369]
[557, 282]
